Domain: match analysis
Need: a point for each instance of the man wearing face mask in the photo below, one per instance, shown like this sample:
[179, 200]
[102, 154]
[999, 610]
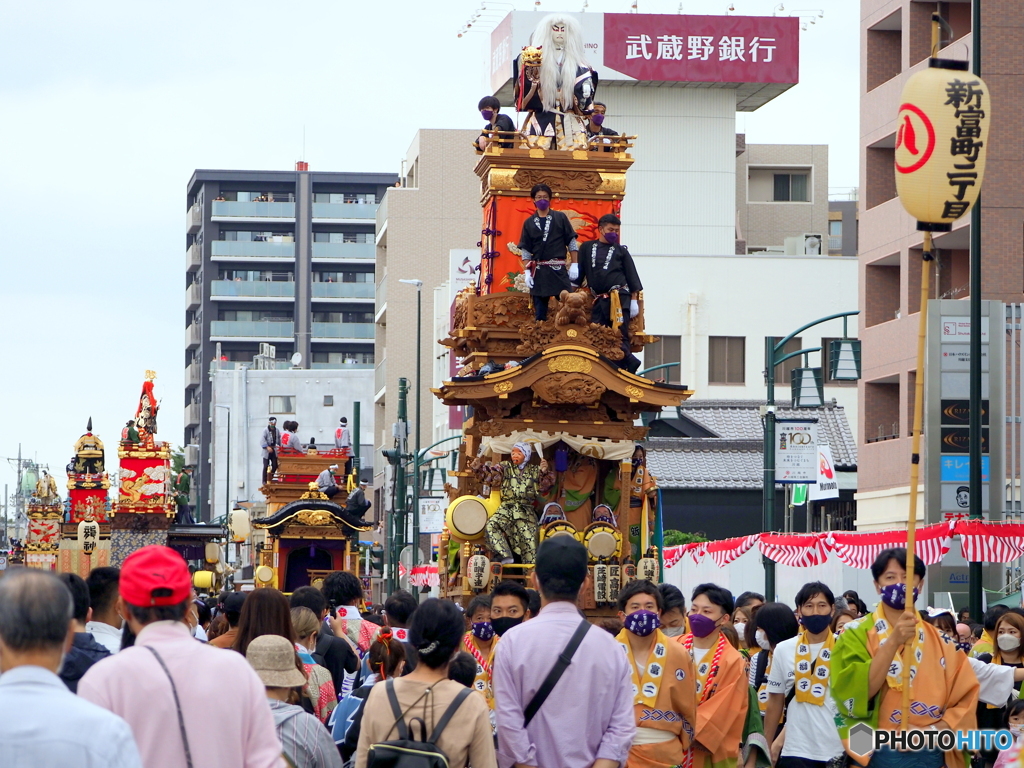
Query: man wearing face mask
[510, 607]
[803, 665]
[596, 129]
[611, 275]
[722, 696]
[870, 655]
[490, 110]
[664, 682]
[548, 248]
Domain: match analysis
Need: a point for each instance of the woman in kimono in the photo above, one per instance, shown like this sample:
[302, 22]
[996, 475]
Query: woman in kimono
[557, 91]
[870, 655]
[664, 683]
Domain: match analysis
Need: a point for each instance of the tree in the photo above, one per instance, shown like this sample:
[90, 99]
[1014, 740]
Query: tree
[177, 460]
[674, 538]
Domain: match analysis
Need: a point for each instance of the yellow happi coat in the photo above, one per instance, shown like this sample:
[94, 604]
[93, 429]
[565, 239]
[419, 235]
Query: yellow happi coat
[722, 714]
[674, 696]
[944, 688]
[484, 666]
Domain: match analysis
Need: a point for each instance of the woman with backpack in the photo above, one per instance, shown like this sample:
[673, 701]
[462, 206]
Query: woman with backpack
[411, 719]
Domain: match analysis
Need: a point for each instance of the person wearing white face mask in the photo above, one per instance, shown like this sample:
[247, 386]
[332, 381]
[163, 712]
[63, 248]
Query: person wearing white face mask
[1014, 723]
[673, 611]
[773, 624]
[1008, 633]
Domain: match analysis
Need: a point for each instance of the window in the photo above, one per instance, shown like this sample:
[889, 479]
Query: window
[784, 370]
[835, 228]
[343, 358]
[250, 315]
[328, 401]
[246, 235]
[790, 188]
[256, 276]
[343, 317]
[726, 359]
[343, 277]
[659, 353]
[343, 237]
[282, 404]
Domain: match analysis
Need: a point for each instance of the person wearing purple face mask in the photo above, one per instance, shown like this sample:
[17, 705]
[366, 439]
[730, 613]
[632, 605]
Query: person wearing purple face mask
[663, 680]
[490, 110]
[611, 275]
[596, 129]
[721, 672]
[869, 657]
[548, 248]
[479, 642]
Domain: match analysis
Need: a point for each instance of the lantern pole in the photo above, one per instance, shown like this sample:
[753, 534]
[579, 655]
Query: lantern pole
[974, 439]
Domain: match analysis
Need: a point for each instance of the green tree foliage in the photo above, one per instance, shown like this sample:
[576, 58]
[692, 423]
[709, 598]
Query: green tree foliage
[674, 538]
[177, 460]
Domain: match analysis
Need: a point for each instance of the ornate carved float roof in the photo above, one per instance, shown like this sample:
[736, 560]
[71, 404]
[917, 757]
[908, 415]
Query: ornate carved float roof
[578, 174]
[564, 374]
[313, 510]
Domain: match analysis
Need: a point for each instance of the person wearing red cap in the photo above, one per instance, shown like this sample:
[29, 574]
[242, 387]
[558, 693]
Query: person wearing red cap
[186, 703]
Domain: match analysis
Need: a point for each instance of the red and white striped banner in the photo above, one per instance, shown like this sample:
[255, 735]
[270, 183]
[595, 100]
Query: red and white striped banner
[986, 542]
[798, 550]
[725, 551]
[424, 576]
[672, 555]
[860, 549]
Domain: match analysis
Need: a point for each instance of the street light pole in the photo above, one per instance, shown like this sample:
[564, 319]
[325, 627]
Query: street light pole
[773, 357]
[416, 452]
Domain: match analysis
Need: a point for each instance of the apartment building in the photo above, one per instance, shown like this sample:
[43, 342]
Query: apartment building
[284, 258]
[436, 209]
[895, 43]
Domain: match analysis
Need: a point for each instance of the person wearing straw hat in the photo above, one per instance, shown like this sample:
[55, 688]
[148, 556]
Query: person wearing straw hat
[306, 743]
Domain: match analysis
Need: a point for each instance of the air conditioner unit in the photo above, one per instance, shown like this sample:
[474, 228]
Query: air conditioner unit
[814, 244]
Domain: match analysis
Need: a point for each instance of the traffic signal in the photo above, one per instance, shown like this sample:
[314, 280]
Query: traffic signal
[377, 559]
[393, 455]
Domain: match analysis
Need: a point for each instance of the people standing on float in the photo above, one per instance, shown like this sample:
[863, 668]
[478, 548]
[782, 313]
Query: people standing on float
[548, 249]
[270, 441]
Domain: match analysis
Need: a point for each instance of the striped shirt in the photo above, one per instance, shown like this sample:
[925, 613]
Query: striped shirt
[306, 743]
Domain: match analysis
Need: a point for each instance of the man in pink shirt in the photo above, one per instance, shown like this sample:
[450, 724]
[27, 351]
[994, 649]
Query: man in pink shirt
[186, 703]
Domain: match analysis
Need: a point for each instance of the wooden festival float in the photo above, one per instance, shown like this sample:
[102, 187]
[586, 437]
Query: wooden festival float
[556, 385]
[305, 535]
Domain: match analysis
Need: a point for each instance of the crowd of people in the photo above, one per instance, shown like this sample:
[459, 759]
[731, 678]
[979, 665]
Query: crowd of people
[135, 670]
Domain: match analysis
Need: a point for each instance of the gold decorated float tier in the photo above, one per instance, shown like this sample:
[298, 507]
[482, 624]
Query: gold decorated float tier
[139, 451]
[571, 174]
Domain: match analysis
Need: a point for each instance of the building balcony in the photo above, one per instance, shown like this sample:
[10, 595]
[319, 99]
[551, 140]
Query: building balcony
[193, 296]
[343, 290]
[379, 379]
[263, 330]
[194, 219]
[345, 212]
[193, 375]
[193, 336]
[343, 331]
[193, 414]
[232, 210]
[251, 289]
[194, 257]
[221, 250]
[344, 251]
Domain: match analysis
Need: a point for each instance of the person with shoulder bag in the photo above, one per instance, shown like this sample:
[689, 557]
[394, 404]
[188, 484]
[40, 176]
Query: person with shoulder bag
[425, 720]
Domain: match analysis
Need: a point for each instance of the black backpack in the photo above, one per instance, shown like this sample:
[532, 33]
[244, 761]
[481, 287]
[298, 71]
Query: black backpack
[406, 752]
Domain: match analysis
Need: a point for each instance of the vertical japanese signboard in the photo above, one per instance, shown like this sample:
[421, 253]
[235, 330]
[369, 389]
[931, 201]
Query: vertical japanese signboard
[796, 451]
[946, 407]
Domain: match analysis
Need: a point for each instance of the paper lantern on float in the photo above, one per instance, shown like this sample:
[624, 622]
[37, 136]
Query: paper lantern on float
[614, 581]
[941, 141]
[647, 568]
[478, 572]
[212, 551]
[601, 595]
[203, 580]
[239, 525]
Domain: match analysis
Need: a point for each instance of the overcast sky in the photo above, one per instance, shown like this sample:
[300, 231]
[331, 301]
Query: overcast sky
[106, 108]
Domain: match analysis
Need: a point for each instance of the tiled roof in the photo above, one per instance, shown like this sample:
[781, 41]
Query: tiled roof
[706, 463]
[741, 420]
[733, 459]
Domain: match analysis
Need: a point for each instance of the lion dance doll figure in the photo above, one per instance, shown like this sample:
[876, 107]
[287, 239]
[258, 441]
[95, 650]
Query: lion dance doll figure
[555, 85]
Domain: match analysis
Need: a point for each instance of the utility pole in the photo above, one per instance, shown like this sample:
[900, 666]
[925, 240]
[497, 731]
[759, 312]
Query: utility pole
[419, 425]
[399, 512]
[974, 440]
